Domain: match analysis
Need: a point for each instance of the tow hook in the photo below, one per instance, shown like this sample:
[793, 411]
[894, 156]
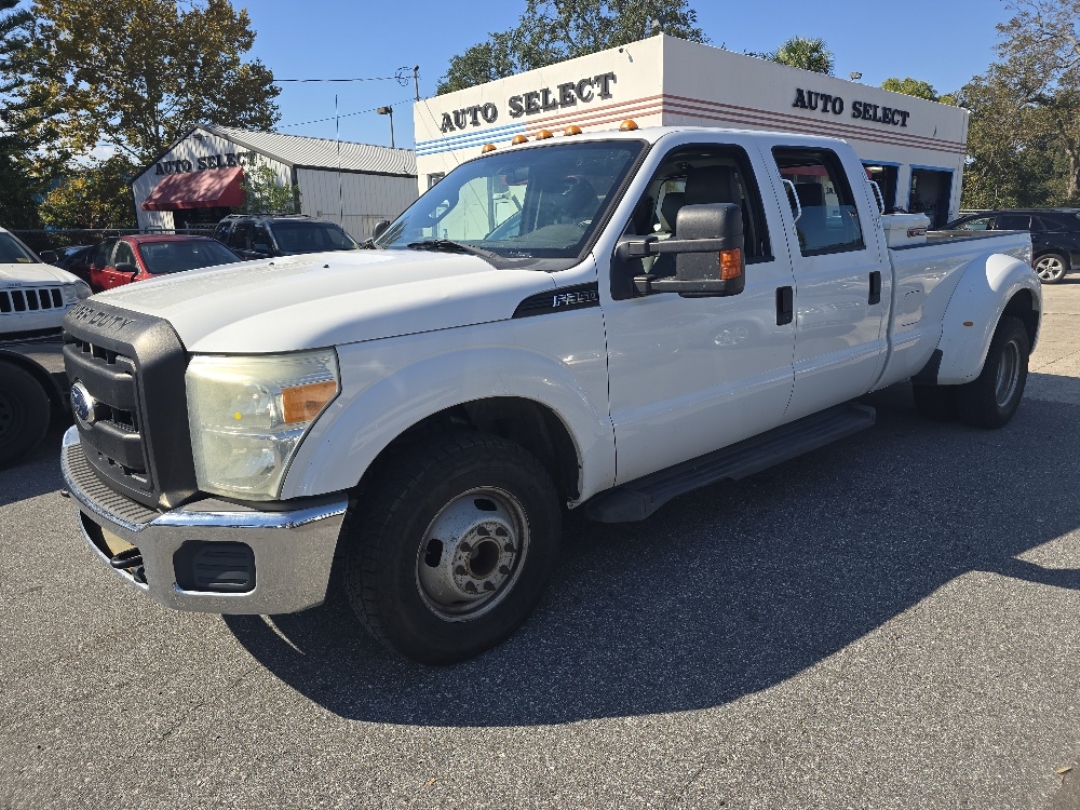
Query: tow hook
[129, 558]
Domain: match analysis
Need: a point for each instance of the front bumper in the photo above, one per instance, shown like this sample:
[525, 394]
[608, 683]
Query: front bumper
[292, 550]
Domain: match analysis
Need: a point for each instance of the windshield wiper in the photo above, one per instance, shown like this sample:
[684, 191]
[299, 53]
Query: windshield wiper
[450, 246]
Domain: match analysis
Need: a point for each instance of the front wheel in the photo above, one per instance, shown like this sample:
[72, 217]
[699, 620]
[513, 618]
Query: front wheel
[452, 547]
[1051, 268]
[993, 397]
[24, 413]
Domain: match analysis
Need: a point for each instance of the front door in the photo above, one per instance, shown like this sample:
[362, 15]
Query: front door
[690, 375]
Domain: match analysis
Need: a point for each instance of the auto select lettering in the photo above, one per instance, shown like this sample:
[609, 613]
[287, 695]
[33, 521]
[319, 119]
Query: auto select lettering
[863, 110]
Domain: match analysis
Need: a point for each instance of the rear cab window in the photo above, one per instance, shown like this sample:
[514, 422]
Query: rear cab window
[829, 222]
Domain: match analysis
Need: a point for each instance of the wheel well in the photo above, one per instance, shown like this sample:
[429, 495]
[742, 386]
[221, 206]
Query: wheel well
[1022, 306]
[44, 379]
[522, 421]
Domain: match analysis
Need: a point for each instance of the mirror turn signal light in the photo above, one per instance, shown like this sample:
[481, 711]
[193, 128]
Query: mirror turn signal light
[487, 148]
[628, 126]
[519, 139]
[543, 135]
[731, 264]
[573, 129]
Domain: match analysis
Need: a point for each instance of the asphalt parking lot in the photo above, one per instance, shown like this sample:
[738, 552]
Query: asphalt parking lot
[891, 622]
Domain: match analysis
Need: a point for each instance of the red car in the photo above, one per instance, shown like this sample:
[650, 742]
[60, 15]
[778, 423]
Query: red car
[126, 259]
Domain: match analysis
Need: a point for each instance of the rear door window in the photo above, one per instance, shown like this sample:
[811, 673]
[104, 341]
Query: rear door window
[980, 224]
[124, 255]
[829, 222]
[1012, 222]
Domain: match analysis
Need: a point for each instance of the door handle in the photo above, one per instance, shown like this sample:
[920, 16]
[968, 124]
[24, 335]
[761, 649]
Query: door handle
[875, 288]
[785, 305]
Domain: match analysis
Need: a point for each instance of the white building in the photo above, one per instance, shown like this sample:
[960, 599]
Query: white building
[197, 180]
[914, 149]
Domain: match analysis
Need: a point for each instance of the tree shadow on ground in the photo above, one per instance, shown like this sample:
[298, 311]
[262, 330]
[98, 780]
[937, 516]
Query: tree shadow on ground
[728, 590]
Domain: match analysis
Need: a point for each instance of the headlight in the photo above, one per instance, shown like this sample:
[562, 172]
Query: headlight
[248, 414]
[77, 291]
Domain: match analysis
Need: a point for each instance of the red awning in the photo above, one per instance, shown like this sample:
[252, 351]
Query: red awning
[213, 188]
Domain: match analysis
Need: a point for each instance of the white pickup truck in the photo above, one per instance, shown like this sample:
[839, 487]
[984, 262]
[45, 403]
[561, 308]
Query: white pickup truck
[598, 322]
[34, 298]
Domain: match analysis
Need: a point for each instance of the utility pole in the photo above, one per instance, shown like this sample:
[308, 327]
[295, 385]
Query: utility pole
[416, 80]
[388, 111]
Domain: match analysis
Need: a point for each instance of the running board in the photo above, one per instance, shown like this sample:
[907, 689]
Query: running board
[638, 499]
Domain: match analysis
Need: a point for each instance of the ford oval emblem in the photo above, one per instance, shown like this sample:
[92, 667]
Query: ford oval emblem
[82, 405]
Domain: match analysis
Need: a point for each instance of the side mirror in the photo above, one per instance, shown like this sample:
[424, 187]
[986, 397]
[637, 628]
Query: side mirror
[380, 228]
[261, 248]
[48, 256]
[709, 261]
[127, 267]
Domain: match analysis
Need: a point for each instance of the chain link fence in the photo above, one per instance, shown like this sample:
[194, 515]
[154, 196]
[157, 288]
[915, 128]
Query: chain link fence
[56, 239]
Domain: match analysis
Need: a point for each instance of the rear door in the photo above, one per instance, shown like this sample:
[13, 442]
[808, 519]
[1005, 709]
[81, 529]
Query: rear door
[119, 271]
[100, 259]
[843, 279]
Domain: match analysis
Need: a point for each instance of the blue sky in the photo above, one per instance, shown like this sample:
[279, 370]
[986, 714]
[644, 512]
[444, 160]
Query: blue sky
[942, 43]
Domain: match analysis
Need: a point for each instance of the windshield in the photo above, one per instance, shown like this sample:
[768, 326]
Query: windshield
[311, 237]
[540, 203]
[12, 251]
[175, 257]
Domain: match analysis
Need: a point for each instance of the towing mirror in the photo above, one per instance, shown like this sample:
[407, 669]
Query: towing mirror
[709, 258]
[380, 228]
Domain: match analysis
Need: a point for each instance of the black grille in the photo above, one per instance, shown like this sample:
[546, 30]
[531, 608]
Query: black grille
[33, 300]
[132, 365]
[84, 477]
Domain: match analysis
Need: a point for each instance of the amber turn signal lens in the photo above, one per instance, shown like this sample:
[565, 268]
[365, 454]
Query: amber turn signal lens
[487, 148]
[519, 139]
[303, 403]
[731, 264]
[573, 129]
[628, 126]
[543, 135]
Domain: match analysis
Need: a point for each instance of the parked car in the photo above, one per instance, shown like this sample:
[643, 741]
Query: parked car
[125, 259]
[73, 259]
[255, 237]
[1055, 236]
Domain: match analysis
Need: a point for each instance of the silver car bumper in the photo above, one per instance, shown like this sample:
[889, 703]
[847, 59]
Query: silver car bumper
[291, 552]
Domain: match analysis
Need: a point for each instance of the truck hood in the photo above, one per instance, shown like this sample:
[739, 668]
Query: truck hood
[17, 275]
[328, 299]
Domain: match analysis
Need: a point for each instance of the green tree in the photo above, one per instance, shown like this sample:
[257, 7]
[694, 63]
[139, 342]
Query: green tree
[911, 87]
[93, 196]
[263, 194]
[551, 31]
[136, 74]
[20, 178]
[806, 53]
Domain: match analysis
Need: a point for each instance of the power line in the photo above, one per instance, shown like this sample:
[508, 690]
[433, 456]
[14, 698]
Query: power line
[343, 115]
[365, 79]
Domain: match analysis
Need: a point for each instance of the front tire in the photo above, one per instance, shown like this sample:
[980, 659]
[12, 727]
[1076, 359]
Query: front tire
[991, 399]
[24, 413]
[1051, 268]
[452, 547]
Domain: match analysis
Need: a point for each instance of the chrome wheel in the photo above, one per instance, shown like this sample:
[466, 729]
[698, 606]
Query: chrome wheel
[1008, 374]
[1050, 269]
[472, 554]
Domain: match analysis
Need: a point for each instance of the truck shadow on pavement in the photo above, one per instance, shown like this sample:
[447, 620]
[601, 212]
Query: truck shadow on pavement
[36, 474]
[729, 590]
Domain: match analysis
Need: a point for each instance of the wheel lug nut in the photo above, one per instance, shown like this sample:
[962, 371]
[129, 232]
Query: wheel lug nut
[466, 547]
[482, 531]
[500, 532]
[470, 587]
[488, 586]
[504, 570]
[509, 548]
[460, 570]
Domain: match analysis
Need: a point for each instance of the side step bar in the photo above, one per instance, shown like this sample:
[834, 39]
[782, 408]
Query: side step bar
[638, 499]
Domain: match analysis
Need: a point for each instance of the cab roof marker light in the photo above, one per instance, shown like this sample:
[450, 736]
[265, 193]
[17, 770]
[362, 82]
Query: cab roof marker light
[519, 139]
[490, 147]
[629, 125]
[543, 135]
[573, 129]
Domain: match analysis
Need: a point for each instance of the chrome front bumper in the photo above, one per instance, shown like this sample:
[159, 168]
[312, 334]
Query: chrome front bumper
[293, 550]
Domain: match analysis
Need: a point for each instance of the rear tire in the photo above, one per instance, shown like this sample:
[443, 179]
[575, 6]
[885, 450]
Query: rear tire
[452, 547]
[937, 402]
[1051, 268]
[991, 399]
[24, 413]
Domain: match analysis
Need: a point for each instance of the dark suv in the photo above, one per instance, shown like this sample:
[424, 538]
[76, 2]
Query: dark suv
[1055, 235]
[255, 237]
